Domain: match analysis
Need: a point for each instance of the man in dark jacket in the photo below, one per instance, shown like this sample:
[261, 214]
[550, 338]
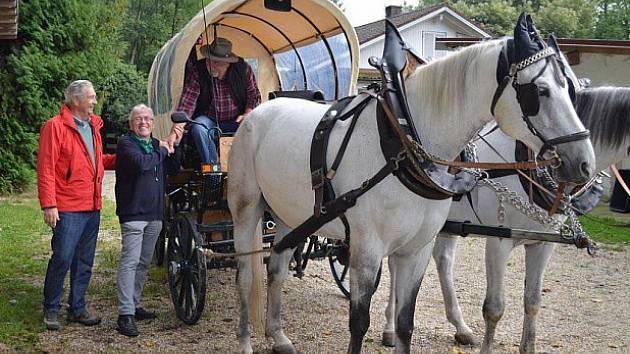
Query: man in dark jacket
[70, 164]
[140, 178]
[219, 91]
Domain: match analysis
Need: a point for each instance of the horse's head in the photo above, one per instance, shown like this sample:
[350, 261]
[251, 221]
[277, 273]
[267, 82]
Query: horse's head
[538, 108]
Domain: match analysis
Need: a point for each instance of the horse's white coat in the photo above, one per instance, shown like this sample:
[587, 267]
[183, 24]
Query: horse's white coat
[450, 101]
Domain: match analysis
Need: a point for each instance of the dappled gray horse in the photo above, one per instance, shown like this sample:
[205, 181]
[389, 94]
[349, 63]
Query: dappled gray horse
[450, 100]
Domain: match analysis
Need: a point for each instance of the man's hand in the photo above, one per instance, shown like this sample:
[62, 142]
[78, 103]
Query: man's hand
[240, 118]
[170, 141]
[51, 216]
[167, 145]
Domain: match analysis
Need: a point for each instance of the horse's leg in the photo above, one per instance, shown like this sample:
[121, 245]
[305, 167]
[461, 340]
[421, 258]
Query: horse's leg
[245, 223]
[497, 254]
[444, 256]
[410, 268]
[389, 333]
[277, 271]
[364, 266]
[246, 205]
[536, 257]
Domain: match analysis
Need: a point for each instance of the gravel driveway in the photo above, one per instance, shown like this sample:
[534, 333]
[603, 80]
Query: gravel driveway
[586, 309]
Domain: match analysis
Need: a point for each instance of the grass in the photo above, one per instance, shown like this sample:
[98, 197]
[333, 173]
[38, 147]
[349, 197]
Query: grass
[613, 233]
[611, 230]
[24, 254]
[23, 259]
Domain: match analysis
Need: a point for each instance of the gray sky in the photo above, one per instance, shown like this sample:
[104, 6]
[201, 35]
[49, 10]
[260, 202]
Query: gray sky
[361, 12]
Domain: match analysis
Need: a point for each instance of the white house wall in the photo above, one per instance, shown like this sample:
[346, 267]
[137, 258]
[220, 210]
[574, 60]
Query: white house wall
[604, 69]
[413, 36]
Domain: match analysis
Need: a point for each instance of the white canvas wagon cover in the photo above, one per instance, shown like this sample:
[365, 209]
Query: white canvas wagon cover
[312, 46]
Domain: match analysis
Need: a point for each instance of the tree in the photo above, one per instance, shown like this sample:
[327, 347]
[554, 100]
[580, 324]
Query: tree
[497, 16]
[567, 18]
[339, 4]
[148, 24]
[613, 21]
[59, 41]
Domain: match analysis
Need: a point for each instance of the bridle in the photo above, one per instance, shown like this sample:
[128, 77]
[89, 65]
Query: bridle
[528, 96]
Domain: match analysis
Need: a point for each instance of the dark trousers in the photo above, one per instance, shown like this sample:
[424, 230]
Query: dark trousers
[73, 245]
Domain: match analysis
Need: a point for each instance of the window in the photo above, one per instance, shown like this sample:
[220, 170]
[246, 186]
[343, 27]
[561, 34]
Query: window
[428, 44]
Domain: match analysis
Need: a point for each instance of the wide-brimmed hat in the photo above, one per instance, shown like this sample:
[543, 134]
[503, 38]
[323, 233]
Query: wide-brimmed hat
[220, 50]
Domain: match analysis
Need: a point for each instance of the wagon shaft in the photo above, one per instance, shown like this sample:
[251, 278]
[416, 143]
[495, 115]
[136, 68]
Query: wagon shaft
[463, 229]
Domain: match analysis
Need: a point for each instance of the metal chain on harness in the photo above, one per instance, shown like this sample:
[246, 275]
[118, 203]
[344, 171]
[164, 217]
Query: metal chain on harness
[571, 229]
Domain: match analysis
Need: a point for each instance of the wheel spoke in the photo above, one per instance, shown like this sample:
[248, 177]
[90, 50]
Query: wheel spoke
[180, 297]
[194, 279]
[187, 300]
[344, 273]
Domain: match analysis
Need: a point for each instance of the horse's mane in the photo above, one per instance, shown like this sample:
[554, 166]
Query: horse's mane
[605, 111]
[450, 77]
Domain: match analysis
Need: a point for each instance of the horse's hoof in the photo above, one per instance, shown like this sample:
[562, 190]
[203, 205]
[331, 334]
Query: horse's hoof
[284, 349]
[465, 338]
[389, 339]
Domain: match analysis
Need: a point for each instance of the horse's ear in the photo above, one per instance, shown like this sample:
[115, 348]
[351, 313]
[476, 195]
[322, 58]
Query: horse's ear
[552, 42]
[534, 34]
[526, 42]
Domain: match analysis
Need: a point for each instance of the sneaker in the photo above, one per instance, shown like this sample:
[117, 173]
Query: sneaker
[51, 320]
[127, 326]
[142, 314]
[83, 318]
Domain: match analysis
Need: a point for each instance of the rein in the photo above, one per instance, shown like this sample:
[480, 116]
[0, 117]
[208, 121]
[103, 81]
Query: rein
[415, 149]
[622, 183]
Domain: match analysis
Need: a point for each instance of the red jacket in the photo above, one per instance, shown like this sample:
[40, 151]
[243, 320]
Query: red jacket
[66, 177]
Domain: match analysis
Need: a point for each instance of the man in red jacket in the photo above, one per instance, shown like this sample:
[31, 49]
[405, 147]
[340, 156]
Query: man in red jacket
[70, 164]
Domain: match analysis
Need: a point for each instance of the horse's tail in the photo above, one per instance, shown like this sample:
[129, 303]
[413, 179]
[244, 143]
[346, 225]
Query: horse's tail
[246, 205]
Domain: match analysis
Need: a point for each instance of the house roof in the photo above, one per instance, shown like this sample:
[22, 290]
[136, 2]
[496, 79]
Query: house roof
[8, 19]
[376, 29]
[568, 45]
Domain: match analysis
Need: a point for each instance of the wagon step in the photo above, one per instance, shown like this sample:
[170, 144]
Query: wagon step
[464, 228]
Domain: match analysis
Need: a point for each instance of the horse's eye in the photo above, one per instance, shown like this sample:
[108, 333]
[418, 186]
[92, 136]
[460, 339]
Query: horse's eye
[543, 91]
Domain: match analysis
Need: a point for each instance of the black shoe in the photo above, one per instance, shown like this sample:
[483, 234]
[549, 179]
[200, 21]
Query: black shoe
[83, 318]
[127, 326]
[51, 319]
[142, 314]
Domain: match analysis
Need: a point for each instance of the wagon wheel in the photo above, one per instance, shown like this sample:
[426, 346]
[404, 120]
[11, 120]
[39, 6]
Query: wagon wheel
[186, 269]
[340, 268]
[341, 273]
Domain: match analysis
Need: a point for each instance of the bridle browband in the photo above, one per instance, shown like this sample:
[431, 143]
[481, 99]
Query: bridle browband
[529, 99]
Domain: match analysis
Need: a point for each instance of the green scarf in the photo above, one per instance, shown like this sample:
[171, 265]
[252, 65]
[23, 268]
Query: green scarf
[146, 146]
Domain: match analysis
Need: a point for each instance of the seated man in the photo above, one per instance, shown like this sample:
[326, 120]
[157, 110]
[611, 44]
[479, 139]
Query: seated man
[219, 91]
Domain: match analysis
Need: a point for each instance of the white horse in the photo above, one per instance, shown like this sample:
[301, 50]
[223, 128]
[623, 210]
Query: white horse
[269, 170]
[605, 111]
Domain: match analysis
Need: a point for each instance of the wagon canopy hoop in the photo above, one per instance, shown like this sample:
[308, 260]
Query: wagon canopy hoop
[313, 46]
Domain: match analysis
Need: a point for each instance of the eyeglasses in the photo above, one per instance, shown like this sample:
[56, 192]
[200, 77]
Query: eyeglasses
[143, 119]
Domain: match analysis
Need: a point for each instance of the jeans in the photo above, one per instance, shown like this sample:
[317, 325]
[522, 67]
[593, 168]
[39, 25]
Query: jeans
[138, 243]
[73, 245]
[206, 139]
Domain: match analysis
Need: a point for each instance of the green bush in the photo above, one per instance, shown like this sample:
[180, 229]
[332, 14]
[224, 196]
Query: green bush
[59, 41]
[123, 89]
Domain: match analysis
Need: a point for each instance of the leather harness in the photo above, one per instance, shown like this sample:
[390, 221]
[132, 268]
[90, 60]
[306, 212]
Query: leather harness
[417, 170]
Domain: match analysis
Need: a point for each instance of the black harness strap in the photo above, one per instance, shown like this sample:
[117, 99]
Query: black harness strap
[320, 177]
